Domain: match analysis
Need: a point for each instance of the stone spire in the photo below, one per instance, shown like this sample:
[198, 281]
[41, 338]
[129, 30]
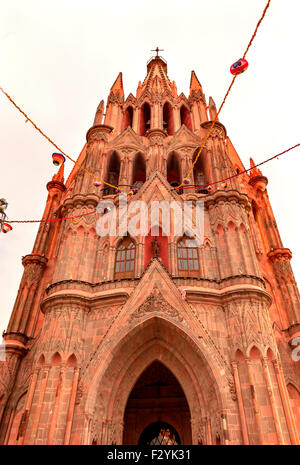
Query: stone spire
[157, 78]
[59, 176]
[212, 109]
[99, 113]
[117, 87]
[194, 83]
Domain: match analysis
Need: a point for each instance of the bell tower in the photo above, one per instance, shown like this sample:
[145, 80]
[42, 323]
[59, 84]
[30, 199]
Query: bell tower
[152, 337]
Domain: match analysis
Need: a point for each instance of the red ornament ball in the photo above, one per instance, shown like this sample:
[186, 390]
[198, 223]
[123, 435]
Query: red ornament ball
[239, 66]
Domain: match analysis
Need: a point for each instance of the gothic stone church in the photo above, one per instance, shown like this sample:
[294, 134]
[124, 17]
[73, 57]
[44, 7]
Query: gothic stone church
[112, 340]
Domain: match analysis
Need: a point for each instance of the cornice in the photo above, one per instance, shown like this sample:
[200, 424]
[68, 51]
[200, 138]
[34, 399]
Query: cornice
[218, 129]
[56, 185]
[279, 254]
[228, 196]
[78, 200]
[98, 132]
[34, 258]
[82, 299]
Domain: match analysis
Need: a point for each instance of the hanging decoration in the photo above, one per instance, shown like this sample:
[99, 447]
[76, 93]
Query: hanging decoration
[6, 227]
[58, 159]
[239, 66]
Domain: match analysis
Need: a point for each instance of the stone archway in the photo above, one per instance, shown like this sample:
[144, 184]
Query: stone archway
[155, 339]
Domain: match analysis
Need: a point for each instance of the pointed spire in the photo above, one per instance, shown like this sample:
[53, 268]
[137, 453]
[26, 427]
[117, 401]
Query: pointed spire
[212, 109]
[156, 77]
[118, 86]
[194, 84]
[99, 113]
[59, 176]
[254, 171]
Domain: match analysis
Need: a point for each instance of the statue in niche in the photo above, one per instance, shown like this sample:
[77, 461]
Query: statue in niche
[155, 245]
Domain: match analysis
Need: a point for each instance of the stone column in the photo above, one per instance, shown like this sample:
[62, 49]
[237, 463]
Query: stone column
[272, 400]
[286, 404]
[240, 403]
[28, 404]
[70, 413]
[43, 384]
[255, 402]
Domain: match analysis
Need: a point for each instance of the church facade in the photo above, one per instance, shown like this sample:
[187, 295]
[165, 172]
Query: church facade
[124, 339]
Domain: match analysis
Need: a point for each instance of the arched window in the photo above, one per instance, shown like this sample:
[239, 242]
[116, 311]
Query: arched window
[138, 171]
[113, 172]
[185, 117]
[188, 257]
[254, 209]
[127, 118]
[125, 259]
[173, 170]
[145, 118]
[199, 174]
[168, 119]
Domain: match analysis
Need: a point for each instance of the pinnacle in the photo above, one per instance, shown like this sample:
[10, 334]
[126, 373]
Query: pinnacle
[118, 85]
[59, 176]
[195, 83]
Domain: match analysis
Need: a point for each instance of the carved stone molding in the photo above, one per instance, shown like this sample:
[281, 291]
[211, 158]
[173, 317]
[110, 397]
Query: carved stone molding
[34, 265]
[115, 98]
[249, 323]
[217, 131]
[197, 96]
[229, 196]
[99, 132]
[276, 255]
[156, 136]
[223, 209]
[155, 303]
[90, 201]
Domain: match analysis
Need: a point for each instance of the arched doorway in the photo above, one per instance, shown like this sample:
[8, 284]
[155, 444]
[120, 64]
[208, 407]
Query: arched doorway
[151, 339]
[157, 409]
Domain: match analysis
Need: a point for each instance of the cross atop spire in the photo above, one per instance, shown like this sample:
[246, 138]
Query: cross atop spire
[157, 50]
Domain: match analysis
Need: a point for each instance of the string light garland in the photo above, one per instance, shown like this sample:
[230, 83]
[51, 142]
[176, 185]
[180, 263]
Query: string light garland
[49, 220]
[183, 187]
[243, 172]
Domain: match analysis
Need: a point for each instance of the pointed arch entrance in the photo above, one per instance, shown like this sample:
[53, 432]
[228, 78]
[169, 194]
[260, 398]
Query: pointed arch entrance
[157, 409]
[135, 345]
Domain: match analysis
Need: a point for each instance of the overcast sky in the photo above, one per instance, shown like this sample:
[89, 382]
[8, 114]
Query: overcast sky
[60, 58]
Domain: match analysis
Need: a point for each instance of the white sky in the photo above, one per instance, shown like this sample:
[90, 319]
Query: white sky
[60, 58]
